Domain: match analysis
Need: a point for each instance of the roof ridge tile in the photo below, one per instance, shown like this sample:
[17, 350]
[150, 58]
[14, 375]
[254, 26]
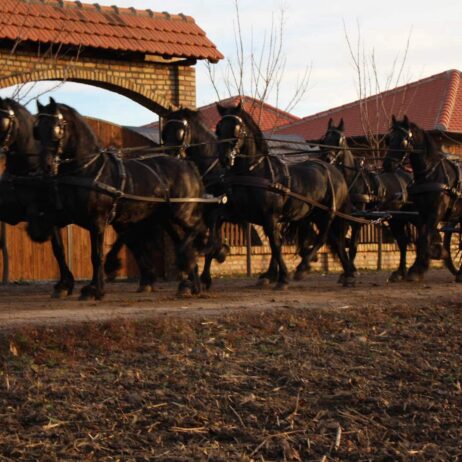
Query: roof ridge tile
[447, 108]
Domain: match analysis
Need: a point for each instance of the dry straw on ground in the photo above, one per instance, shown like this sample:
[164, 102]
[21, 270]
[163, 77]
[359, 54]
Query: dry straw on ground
[381, 384]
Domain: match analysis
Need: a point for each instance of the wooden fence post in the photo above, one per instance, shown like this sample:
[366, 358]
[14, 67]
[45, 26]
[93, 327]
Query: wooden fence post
[379, 253]
[248, 244]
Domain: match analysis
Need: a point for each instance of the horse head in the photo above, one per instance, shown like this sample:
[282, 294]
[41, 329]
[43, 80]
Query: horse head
[335, 143]
[17, 146]
[64, 136]
[177, 132]
[401, 140]
[238, 135]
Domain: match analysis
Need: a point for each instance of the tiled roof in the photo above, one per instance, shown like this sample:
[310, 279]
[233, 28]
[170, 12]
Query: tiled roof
[265, 115]
[110, 28]
[433, 103]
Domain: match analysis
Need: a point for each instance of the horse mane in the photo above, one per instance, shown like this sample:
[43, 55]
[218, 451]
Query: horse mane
[81, 125]
[428, 141]
[195, 119]
[257, 134]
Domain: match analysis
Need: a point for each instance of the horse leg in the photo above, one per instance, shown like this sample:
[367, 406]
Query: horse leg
[113, 263]
[354, 242]
[271, 274]
[459, 273]
[95, 290]
[65, 285]
[216, 249]
[186, 258]
[336, 239]
[420, 266]
[275, 241]
[398, 229]
[307, 251]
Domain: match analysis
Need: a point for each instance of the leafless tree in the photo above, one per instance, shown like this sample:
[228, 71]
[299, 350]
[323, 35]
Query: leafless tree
[371, 84]
[257, 70]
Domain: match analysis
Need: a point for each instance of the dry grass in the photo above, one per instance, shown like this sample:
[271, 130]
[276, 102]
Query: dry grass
[380, 384]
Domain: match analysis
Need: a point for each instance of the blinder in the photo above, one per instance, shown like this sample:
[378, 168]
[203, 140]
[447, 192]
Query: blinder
[182, 135]
[6, 126]
[57, 135]
[239, 134]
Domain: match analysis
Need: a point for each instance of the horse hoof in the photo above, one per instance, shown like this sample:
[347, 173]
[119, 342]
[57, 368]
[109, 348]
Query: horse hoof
[184, 292]
[300, 275]
[145, 289]
[61, 293]
[349, 281]
[281, 286]
[221, 255]
[111, 277]
[396, 276]
[86, 297]
[341, 279]
[459, 278]
[414, 277]
[206, 283]
[263, 282]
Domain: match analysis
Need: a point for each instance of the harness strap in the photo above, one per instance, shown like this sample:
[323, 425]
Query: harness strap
[156, 175]
[264, 183]
[98, 186]
[211, 167]
[123, 179]
[422, 188]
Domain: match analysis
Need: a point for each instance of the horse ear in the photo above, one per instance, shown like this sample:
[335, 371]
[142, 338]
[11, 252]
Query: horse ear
[406, 121]
[330, 123]
[221, 109]
[40, 106]
[52, 102]
[341, 125]
[393, 120]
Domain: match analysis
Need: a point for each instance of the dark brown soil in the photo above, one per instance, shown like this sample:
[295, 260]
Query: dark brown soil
[313, 374]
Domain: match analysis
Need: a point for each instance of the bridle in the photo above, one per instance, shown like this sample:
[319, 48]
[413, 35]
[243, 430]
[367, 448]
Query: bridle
[7, 125]
[184, 134]
[58, 133]
[407, 145]
[240, 133]
[341, 145]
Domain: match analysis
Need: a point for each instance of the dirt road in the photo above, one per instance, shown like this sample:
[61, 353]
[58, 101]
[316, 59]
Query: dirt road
[32, 304]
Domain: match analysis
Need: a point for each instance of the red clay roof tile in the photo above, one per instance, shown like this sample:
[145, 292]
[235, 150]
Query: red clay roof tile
[265, 115]
[433, 103]
[105, 27]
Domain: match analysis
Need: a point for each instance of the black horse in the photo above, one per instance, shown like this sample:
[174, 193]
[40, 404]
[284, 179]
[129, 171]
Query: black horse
[20, 153]
[186, 136]
[372, 192]
[436, 190]
[261, 190]
[94, 188]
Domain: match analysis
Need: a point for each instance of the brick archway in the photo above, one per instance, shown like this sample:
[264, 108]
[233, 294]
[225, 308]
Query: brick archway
[159, 88]
[146, 56]
[143, 95]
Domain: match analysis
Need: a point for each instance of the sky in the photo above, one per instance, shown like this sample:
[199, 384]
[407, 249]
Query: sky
[314, 38]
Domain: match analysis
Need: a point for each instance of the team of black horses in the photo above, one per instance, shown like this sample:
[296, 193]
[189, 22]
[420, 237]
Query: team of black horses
[57, 173]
